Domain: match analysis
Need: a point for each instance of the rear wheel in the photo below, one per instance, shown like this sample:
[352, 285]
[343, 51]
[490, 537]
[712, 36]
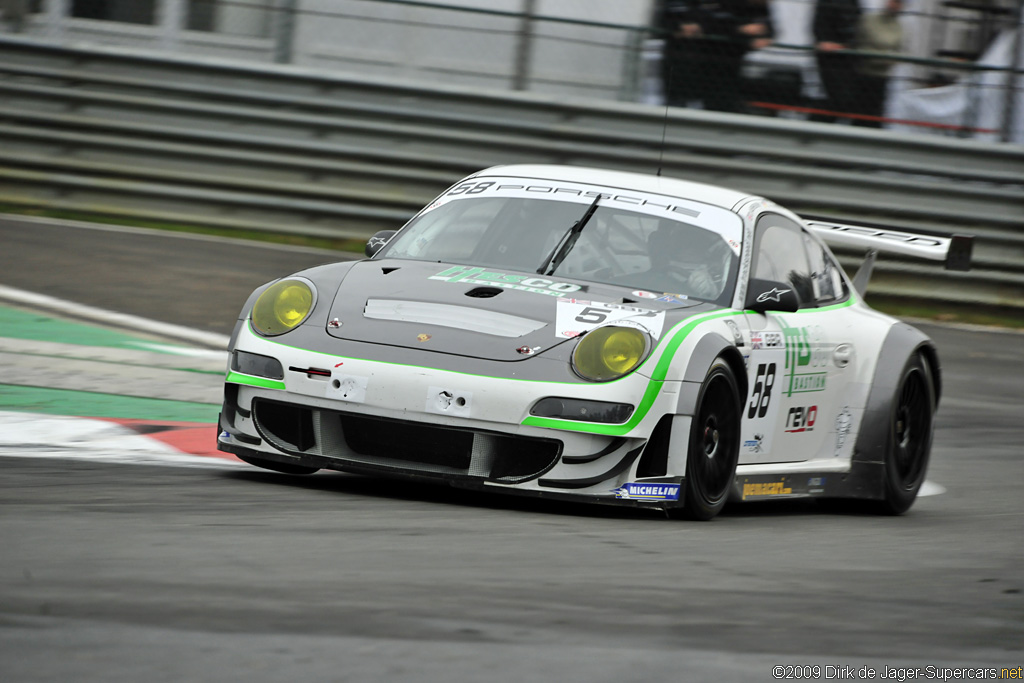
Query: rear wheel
[282, 467]
[910, 437]
[714, 444]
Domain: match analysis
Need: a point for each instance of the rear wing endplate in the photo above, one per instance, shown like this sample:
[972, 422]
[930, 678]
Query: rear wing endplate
[954, 250]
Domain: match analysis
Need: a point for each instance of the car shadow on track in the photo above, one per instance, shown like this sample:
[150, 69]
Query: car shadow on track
[442, 494]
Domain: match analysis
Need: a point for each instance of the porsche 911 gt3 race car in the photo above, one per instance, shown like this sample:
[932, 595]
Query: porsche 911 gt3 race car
[599, 336]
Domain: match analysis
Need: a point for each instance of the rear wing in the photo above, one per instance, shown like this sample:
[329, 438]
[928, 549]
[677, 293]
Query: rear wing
[954, 250]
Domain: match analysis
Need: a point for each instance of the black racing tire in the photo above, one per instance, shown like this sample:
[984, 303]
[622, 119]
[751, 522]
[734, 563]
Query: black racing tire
[282, 467]
[910, 437]
[714, 446]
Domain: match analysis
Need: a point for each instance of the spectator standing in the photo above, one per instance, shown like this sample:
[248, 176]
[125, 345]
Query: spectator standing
[878, 32]
[705, 41]
[835, 30]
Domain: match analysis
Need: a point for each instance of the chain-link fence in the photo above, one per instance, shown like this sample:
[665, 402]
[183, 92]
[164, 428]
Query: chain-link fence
[950, 67]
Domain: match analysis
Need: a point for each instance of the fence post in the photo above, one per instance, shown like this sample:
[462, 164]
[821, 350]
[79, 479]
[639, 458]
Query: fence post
[522, 69]
[285, 31]
[1012, 77]
[171, 20]
[56, 14]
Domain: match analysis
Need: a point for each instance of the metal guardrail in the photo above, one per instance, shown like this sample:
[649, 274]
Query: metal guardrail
[107, 132]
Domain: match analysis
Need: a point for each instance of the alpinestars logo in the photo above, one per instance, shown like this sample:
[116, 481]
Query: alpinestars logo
[774, 295]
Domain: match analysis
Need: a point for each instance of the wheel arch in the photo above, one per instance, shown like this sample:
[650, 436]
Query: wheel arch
[931, 357]
[656, 456]
[901, 343]
[709, 349]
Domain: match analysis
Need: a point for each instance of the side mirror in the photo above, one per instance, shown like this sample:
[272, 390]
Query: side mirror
[768, 295]
[378, 241]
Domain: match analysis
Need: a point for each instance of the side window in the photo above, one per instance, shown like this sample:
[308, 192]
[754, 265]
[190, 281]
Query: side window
[780, 255]
[826, 280]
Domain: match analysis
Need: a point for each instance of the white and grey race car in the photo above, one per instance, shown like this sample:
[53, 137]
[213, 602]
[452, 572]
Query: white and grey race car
[597, 336]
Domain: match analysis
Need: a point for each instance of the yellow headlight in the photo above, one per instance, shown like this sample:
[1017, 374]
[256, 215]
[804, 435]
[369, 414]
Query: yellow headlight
[609, 352]
[282, 307]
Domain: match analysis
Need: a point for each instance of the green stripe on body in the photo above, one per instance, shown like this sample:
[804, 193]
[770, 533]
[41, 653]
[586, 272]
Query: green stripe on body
[658, 374]
[253, 381]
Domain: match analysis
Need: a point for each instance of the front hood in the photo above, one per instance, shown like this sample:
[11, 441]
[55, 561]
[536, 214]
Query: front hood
[477, 312]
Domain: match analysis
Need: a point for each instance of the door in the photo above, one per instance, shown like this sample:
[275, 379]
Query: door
[800, 364]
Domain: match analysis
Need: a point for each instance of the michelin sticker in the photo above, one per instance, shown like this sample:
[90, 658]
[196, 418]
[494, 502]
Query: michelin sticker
[575, 316]
[640, 491]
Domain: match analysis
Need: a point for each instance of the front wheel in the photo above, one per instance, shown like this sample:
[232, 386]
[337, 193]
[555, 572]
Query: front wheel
[714, 444]
[910, 436]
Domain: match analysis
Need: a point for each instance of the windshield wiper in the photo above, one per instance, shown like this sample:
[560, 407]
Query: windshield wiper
[567, 242]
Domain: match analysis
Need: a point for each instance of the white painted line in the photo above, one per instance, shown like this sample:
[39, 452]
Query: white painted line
[124, 320]
[34, 435]
[186, 351]
[930, 488]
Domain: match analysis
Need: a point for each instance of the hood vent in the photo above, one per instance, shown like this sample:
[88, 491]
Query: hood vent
[447, 315]
[484, 292]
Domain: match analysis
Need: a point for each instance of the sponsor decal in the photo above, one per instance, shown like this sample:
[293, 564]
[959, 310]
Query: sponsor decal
[801, 419]
[641, 294]
[575, 316]
[844, 422]
[433, 205]
[766, 488]
[754, 445]
[774, 295]
[641, 491]
[816, 485]
[674, 298]
[806, 359]
[524, 283]
[773, 340]
[378, 242]
[737, 336]
[422, 337]
[767, 340]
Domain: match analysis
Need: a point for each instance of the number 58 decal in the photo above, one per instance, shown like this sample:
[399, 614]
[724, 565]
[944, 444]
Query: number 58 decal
[761, 396]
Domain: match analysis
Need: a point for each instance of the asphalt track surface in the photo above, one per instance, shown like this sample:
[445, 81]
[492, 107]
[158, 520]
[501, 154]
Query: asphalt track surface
[114, 572]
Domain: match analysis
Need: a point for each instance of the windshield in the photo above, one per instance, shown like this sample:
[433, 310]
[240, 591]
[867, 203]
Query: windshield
[619, 245]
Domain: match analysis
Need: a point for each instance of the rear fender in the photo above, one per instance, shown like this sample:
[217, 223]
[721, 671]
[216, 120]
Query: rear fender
[867, 471]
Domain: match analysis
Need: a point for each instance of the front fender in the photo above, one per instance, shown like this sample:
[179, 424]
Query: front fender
[709, 348]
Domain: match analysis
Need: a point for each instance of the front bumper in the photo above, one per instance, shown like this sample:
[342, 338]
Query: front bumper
[467, 430]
